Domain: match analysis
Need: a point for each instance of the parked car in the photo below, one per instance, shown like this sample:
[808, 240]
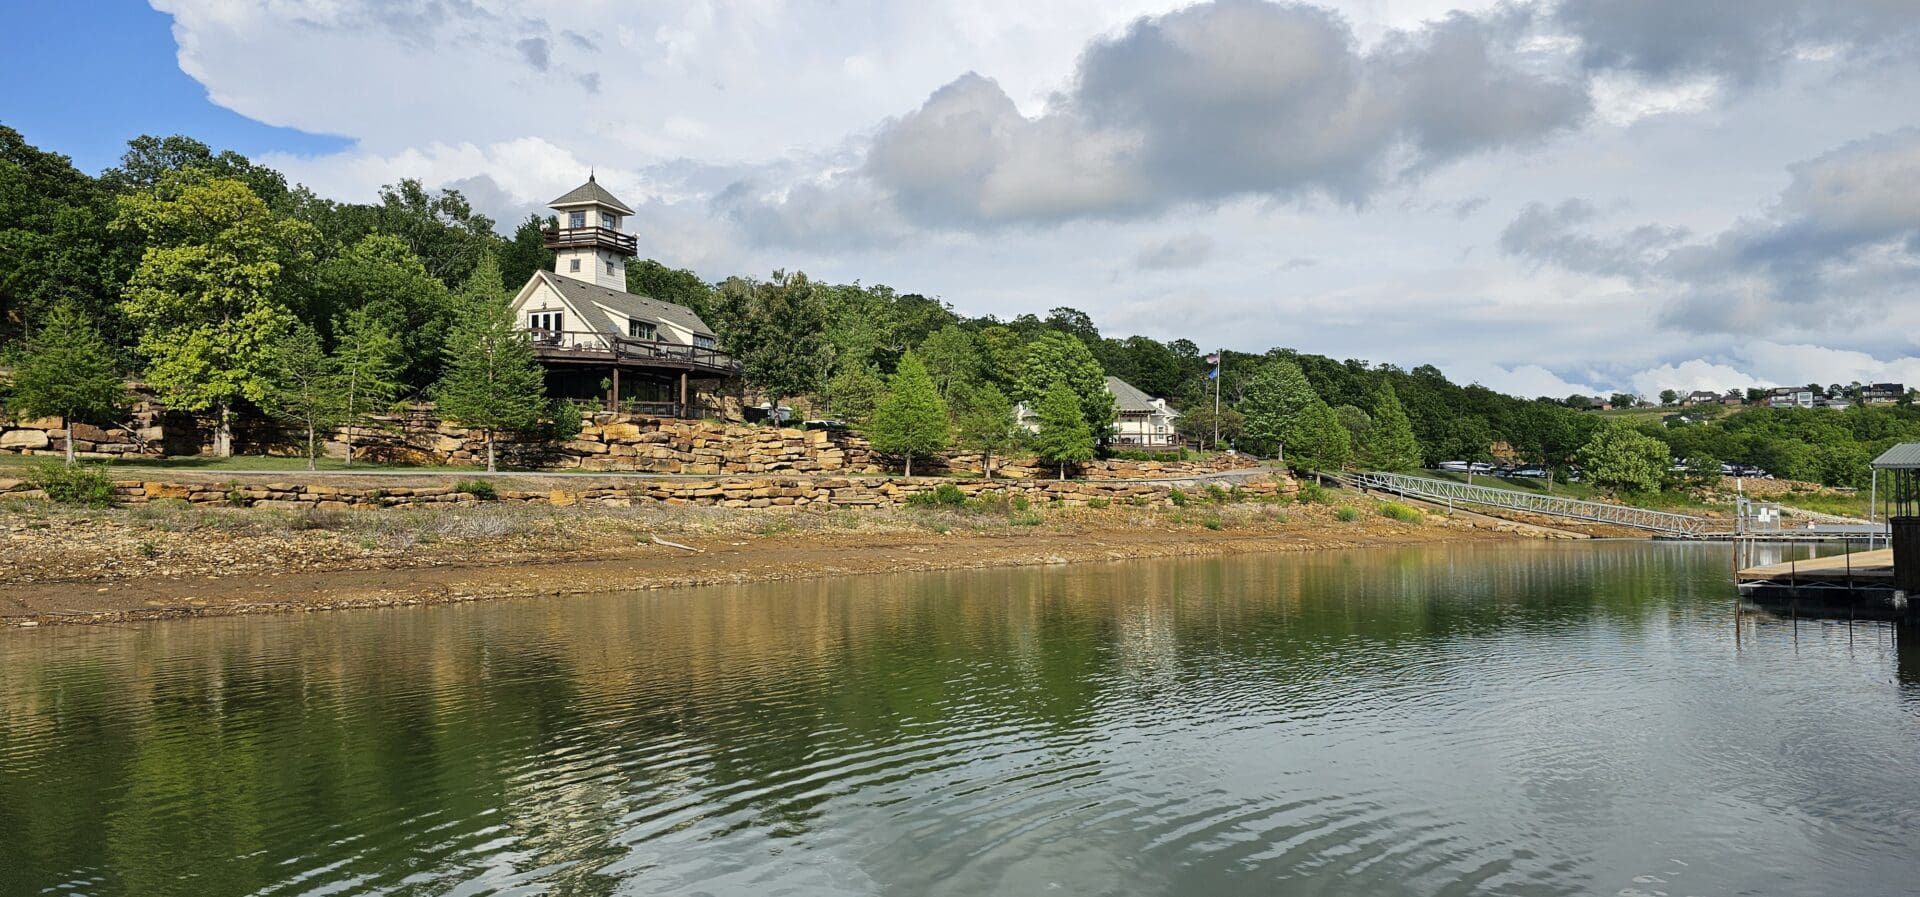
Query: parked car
[1452, 466]
[1531, 473]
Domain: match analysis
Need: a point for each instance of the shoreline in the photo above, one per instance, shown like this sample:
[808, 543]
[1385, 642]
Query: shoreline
[240, 573]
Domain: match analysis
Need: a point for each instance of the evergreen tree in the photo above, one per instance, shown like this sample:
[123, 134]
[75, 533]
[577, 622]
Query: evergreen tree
[305, 392]
[952, 359]
[208, 294]
[367, 359]
[1389, 443]
[491, 382]
[64, 368]
[526, 252]
[911, 419]
[853, 393]
[1057, 357]
[985, 422]
[1064, 437]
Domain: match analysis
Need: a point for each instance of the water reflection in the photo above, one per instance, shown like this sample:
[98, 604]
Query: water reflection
[1515, 719]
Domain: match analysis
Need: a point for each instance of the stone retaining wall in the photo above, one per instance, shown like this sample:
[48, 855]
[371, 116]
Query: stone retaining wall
[607, 442]
[823, 493]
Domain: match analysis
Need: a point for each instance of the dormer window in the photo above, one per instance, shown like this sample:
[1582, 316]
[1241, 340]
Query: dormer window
[576, 220]
[642, 330]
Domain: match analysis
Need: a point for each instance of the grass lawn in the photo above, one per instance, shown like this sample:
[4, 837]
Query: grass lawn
[1842, 505]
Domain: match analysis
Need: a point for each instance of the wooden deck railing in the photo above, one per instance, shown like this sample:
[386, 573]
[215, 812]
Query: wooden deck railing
[590, 238]
[589, 345]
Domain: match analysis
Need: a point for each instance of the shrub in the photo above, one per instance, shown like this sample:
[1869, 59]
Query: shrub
[945, 495]
[1237, 494]
[81, 484]
[1393, 510]
[1027, 518]
[1212, 522]
[1346, 515]
[1098, 503]
[1020, 503]
[1313, 494]
[1216, 494]
[480, 489]
[1178, 498]
[1138, 501]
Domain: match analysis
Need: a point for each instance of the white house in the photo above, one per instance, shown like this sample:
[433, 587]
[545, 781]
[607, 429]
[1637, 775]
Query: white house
[597, 340]
[1142, 421]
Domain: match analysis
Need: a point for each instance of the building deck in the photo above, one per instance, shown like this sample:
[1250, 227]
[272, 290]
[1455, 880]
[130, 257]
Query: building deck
[1861, 566]
[1858, 585]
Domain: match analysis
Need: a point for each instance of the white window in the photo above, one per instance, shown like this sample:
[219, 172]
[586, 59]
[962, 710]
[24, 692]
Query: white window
[577, 219]
[641, 329]
[573, 264]
[702, 342]
[548, 321]
[609, 266]
[609, 221]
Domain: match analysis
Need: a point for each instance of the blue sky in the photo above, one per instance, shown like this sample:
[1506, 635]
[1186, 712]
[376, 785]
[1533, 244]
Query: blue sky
[120, 82]
[1543, 196]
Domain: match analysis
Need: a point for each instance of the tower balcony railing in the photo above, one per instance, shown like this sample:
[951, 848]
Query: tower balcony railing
[591, 238]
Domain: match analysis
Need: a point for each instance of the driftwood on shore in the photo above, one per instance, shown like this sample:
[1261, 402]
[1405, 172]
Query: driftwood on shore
[659, 541]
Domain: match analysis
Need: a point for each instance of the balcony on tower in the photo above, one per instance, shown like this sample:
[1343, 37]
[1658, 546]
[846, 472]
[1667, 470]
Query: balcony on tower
[561, 238]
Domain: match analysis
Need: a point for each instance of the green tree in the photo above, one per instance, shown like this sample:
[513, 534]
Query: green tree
[1057, 357]
[911, 420]
[492, 382]
[986, 423]
[381, 276]
[1468, 439]
[305, 392]
[1390, 443]
[1197, 424]
[208, 294]
[854, 392]
[367, 356]
[526, 252]
[646, 277]
[1618, 457]
[1285, 416]
[952, 359]
[1356, 422]
[1669, 396]
[64, 368]
[1063, 437]
[54, 243]
[777, 329]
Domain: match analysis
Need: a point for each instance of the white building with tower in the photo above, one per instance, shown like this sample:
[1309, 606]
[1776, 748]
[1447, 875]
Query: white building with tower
[597, 340]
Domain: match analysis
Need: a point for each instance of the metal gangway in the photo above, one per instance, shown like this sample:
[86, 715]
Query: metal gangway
[1450, 493]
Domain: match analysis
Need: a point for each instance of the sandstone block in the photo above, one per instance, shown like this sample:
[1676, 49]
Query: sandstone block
[24, 439]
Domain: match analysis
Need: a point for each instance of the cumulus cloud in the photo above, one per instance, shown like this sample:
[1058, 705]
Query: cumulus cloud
[1741, 40]
[534, 51]
[1215, 101]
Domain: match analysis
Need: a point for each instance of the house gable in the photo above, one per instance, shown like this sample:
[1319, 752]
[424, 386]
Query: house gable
[539, 295]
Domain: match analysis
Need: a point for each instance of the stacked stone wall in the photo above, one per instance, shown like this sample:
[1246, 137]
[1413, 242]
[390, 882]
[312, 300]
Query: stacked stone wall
[819, 493]
[606, 443]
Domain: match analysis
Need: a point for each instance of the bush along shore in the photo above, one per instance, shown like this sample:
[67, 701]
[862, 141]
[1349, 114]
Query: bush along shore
[223, 550]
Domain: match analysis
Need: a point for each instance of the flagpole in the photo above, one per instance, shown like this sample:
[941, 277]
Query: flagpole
[1216, 397]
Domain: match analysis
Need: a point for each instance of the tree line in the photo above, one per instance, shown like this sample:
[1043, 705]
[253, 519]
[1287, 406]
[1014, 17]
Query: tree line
[228, 290]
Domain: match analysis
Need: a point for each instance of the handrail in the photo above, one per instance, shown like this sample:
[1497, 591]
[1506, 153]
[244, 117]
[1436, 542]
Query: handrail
[569, 237]
[1429, 489]
[622, 347]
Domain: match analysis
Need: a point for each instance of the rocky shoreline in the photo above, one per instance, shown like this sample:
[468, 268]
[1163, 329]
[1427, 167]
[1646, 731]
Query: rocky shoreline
[66, 566]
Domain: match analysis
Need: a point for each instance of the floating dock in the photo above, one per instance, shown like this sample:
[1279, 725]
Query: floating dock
[1858, 584]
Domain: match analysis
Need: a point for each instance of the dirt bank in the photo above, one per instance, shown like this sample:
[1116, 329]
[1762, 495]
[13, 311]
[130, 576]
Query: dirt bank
[68, 566]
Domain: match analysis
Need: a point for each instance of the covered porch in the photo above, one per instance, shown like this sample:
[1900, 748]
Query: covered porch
[644, 377]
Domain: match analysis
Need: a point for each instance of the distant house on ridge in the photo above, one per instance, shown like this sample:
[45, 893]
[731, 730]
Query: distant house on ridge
[1143, 420]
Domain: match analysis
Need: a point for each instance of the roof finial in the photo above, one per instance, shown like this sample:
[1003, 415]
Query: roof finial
[589, 175]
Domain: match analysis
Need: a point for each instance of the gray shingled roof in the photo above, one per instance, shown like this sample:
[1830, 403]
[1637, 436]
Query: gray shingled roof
[1127, 397]
[591, 192]
[1905, 456]
[583, 295]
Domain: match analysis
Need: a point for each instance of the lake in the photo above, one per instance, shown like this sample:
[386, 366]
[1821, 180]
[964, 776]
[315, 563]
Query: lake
[1513, 718]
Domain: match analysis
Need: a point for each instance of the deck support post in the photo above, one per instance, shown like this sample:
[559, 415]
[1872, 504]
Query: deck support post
[613, 393]
[683, 395]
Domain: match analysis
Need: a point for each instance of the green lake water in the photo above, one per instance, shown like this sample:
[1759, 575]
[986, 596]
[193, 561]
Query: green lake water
[1483, 719]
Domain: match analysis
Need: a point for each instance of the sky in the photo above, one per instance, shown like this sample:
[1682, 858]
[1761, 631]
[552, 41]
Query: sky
[1543, 196]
